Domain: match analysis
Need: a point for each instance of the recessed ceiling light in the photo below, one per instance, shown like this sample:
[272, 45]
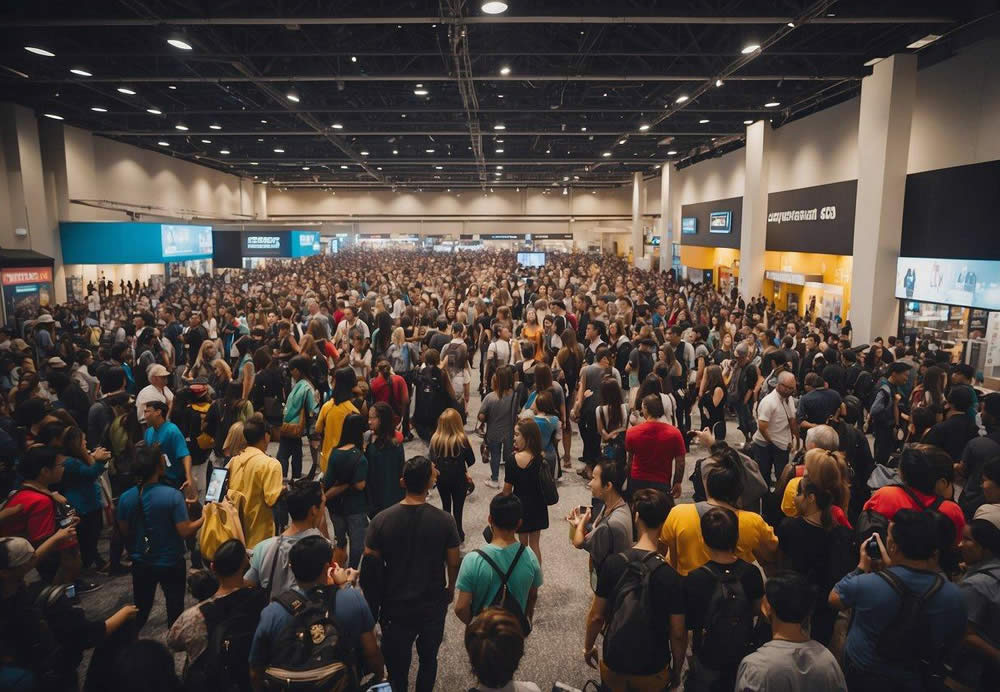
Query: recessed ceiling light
[40, 51]
[260, 139]
[873, 61]
[548, 151]
[420, 92]
[223, 151]
[748, 122]
[499, 126]
[494, 7]
[264, 122]
[395, 152]
[126, 90]
[337, 126]
[206, 141]
[703, 121]
[279, 151]
[605, 94]
[364, 153]
[499, 167]
[429, 151]
[305, 168]
[81, 72]
[253, 163]
[179, 42]
[403, 115]
[682, 98]
[163, 144]
[672, 152]
[440, 168]
[583, 129]
[154, 111]
[292, 96]
[505, 70]
[643, 127]
[98, 109]
[344, 167]
[772, 104]
[719, 82]
[921, 42]
[181, 127]
[378, 168]
[499, 151]
[750, 48]
[171, 86]
[53, 116]
[606, 154]
[354, 58]
[622, 141]
[499, 96]
[215, 126]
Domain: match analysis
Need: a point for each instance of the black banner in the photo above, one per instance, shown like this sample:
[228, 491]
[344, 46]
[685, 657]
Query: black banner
[501, 236]
[376, 236]
[266, 244]
[552, 236]
[703, 235]
[813, 219]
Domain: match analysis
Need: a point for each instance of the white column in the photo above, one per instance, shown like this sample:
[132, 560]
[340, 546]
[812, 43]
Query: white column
[637, 189]
[887, 98]
[666, 256]
[260, 200]
[753, 231]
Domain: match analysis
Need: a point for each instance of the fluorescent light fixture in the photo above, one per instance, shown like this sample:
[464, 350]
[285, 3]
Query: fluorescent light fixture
[180, 126]
[772, 104]
[719, 82]
[925, 41]
[279, 151]
[672, 152]
[53, 116]
[499, 96]
[873, 61]
[703, 121]
[215, 126]
[364, 153]
[206, 141]
[223, 151]
[154, 111]
[622, 141]
[126, 90]
[494, 7]
[395, 152]
[305, 168]
[292, 96]
[505, 70]
[378, 168]
[499, 167]
[499, 151]
[606, 154]
[791, 25]
[40, 51]
[163, 144]
[583, 129]
[344, 168]
[429, 151]
[263, 122]
[254, 163]
[179, 43]
[439, 168]
[420, 92]
[750, 48]
[81, 72]
[643, 127]
[98, 109]
[499, 126]
[748, 122]
[337, 126]
[171, 87]
[682, 98]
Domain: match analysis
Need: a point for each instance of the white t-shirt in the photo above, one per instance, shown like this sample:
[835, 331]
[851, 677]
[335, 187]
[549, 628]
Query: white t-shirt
[776, 412]
[151, 393]
[500, 350]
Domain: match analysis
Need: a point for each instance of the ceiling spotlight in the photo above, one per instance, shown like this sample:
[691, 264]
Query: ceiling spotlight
[505, 70]
[279, 151]
[719, 82]
[750, 48]
[748, 122]
[403, 115]
[206, 141]
[53, 116]
[395, 152]
[565, 190]
[178, 41]
[343, 168]
[440, 168]
[163, 144]
[378, 168]
[48, 54]
[682, 98]
[499, 167]
[215, 126]
[305, 168]
[548, 151]
[703, 121]
[606, 154]
[223, 151]
[81, 72]
[420, 92]
[622, 141]
[126, 90]
[772, 104]
[354, 58]
[154, 111]
[499, 96]
[672, 152]
[98, 109]
[337, 126]
[429, 151]
[292, 96]
[583, 129]
[172, 87]
[254, 163]
[180, 126]
[643, 127]
[499, 126]
[791, 25]
[494, 7]
[263, 122]
[364, 153]
[499, 151]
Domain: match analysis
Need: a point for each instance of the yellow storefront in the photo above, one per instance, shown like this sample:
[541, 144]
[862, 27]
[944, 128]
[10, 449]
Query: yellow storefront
[797, 278]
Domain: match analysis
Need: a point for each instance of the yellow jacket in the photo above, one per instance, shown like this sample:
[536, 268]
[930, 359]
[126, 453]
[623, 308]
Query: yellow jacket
[258, 477]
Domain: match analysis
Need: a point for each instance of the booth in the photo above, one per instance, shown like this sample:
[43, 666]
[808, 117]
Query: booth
[26, 278]
[710, 242]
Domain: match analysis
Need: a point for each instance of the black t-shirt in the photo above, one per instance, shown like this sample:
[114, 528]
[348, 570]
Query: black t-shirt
[818, 405]
[836, 378]
[667, 598]
[699, 586]
[952, 434]
[642, 363]
[767, 363]
[807, 550]
[413, 540]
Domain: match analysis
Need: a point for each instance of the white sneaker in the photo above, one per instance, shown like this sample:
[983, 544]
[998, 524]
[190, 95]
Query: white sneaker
[492, 484]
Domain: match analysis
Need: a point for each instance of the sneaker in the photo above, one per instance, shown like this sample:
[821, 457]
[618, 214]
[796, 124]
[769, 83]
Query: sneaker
[492, 483]
[83, 587]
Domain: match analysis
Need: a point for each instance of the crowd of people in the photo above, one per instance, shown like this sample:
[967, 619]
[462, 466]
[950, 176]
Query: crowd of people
[807, 558]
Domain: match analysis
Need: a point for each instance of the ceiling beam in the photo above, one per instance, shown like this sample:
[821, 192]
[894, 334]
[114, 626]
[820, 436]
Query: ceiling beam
[299, 78]
[418, 109]
[395, 161]
[403, 51]
[407, 133]
[498, 19]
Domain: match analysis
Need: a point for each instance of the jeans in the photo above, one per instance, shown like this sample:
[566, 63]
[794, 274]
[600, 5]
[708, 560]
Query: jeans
[747, 424]
[500, 451]
[290, 448]
[88, 531]
[351, 527]
[454, 495]
[398, 635]
[171, 579]
[408, 378]
[683, 411]
[767, 457]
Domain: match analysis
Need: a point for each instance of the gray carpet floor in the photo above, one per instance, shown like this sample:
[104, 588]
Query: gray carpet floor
[553, 651]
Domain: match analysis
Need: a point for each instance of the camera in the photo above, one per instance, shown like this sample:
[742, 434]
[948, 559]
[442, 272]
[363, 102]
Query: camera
[872, 549]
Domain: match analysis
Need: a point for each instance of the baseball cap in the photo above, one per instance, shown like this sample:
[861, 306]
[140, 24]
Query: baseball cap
[157, 370]
[56, 362]
[15, 552]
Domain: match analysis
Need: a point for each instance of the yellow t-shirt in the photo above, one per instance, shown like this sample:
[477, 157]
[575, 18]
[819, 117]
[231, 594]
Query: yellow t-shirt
[330, 423]
[258, 477]
[788, 499]
[686, 550]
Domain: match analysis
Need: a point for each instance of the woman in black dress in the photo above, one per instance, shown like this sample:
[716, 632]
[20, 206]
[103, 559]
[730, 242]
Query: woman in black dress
[713, 402]
[521, 478]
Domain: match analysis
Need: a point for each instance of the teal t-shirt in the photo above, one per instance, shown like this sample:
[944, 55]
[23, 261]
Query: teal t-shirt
[475, 576]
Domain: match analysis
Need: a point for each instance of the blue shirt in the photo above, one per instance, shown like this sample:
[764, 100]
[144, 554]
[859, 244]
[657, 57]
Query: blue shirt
[350, 610]
[162, 509]
[172, 443]
[80, 485]
[875, 605]
[475, 576]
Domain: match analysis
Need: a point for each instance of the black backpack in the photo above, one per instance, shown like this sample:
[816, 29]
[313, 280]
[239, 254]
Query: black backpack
[504, 598]
[870, 521]
[728, 629]
[231, 622]
[864, 388]
[628, 635]
[430, 396]
[904, 641]
[309, 653]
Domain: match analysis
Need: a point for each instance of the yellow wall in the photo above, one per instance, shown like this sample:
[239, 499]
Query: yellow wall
[835, 269]
[710, 258]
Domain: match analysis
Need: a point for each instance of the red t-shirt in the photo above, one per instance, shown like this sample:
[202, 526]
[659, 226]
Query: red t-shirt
[654, 446]
[37, 519]
[889, 500]
[400, 393]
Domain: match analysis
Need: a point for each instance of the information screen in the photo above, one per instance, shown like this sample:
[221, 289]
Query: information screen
[531, 259]
[689, 225]
[966, 283]
[186, 241]
[720, 222]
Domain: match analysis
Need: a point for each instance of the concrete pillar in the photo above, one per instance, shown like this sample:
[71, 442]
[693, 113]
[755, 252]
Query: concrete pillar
[260, 200]
[887, 98]
[753, 232]
[637, 189]
[666, 256]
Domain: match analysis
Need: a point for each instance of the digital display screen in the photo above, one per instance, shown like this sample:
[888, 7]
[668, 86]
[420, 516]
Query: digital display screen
[965, 283]
[185, 241]
[267, 244]
[689, 225]
[531, 259]
[720, 222]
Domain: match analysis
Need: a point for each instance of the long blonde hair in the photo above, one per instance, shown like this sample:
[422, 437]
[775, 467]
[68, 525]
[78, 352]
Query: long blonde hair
[449, 438]
[235, 441]
[398, 336]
